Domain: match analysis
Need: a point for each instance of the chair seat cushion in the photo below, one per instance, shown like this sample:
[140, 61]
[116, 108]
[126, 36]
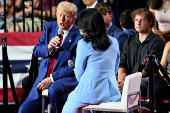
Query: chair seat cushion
[110, 106]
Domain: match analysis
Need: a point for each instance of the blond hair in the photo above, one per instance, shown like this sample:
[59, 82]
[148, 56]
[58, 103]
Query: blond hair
[68, 7]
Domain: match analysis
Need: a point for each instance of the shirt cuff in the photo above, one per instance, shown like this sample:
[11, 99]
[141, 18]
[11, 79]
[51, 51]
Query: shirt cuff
[51, 78]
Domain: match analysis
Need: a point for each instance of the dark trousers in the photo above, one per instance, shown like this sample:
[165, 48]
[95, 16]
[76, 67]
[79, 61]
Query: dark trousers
[145, 87]
[161, 91]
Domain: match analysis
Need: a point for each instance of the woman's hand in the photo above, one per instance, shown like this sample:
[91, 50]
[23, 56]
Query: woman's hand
[158, 32]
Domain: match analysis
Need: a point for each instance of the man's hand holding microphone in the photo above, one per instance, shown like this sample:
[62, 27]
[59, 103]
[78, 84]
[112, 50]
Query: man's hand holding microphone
[54, 43]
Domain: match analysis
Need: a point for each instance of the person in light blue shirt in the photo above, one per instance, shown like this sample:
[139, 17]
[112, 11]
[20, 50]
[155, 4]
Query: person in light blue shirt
[96, 64]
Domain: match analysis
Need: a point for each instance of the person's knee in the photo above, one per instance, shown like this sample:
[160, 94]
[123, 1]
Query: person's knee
[57, 91]
[144, 86]
[11, 29]
[28, 109]
[30, 106]
[23, 109]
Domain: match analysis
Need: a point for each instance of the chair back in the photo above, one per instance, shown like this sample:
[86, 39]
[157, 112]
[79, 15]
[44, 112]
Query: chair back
[131, 85]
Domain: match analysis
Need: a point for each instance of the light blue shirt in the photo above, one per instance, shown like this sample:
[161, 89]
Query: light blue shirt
[107, 30]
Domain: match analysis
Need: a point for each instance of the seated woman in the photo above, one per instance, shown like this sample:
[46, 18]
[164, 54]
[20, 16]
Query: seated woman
[96, 64]
[161, 87]
[161, 11]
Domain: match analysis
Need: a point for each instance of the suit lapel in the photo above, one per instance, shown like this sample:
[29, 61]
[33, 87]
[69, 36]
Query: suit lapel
[70, 38]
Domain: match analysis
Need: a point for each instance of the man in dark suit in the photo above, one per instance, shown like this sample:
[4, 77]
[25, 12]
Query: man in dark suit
[54, 72]
[112, 30]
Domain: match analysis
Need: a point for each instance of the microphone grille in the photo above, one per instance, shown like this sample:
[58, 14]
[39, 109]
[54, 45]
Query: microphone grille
[70, 62]
[60, 31]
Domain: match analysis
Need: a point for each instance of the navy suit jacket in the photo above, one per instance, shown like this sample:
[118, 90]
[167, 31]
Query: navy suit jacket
[66, 52]
[119, 35]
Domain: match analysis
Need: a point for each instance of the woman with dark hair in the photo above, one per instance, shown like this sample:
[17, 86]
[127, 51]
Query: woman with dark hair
[96, 64]
[161, 11]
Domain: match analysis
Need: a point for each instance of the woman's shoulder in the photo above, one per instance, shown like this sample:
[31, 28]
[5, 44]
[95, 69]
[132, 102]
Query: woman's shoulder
[82, 43]
[114, 40]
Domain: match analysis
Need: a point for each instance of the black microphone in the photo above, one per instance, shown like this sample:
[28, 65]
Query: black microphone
[60, 31]
[141, 67]
[71, 64]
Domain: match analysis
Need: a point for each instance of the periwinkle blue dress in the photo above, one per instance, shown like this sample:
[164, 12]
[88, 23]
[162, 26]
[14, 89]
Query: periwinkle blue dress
[96, 72]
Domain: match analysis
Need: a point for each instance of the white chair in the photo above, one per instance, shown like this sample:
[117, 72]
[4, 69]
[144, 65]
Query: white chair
[131, 95]
[45, 94]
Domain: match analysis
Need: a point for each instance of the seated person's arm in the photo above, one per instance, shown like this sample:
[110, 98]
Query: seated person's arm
[46, 13]
[144, 73]
[17, 14]
[17, 6]
[164, 33]
[38, 12]
[164, 56]
[122, 72]
[8, 4]
[157, 50]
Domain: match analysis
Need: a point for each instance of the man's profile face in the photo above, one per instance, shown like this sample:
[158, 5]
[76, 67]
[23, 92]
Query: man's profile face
[64, 19]
[142, 24]
[89, 3]
[107, 18]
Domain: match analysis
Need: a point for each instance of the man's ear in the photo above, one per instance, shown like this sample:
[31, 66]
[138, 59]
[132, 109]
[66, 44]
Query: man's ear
[151, 22]
[74, 19]
[120, 24]
[111, 16]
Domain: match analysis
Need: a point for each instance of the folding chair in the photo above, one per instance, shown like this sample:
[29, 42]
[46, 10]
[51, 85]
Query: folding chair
[131, 95]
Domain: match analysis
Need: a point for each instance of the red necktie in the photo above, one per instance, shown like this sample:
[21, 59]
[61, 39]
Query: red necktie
[53, 58]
